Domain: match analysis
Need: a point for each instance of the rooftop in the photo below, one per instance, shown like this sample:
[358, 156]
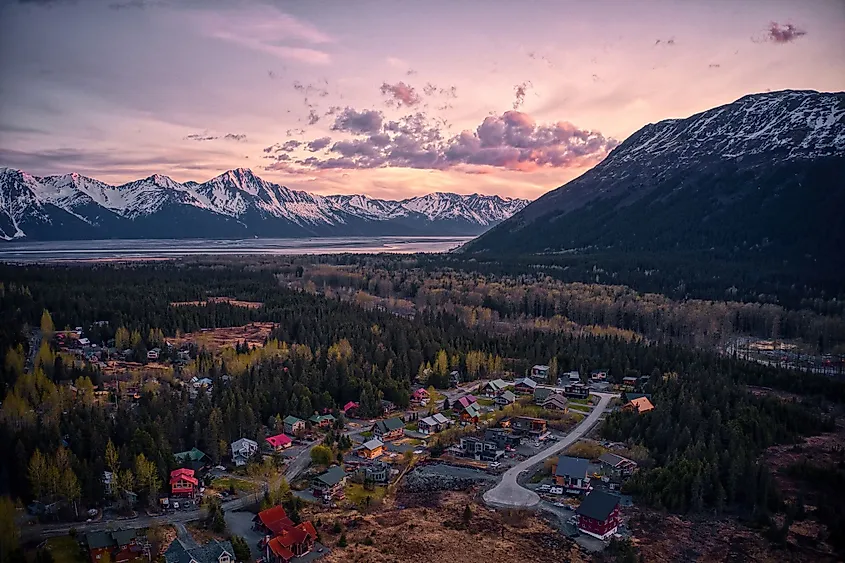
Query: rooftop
[598, 505]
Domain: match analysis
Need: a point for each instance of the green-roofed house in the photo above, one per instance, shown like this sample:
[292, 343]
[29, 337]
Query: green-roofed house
[192, 459]
[293, 425]
[329, 485]
[389, 429]
[322, 420]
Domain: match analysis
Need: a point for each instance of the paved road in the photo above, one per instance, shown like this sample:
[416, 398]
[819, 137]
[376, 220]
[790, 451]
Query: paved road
[296, 466]
[510, 494]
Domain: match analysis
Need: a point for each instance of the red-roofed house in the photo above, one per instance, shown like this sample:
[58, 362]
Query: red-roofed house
[350, 408]
[279, 442]
[420, 397]
[467, 400]
[272, 521]
[183, 482]
[288, 540]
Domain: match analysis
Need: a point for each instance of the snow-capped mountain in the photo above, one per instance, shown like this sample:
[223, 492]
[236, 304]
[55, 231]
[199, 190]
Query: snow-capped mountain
[236, 203]
[764, 174]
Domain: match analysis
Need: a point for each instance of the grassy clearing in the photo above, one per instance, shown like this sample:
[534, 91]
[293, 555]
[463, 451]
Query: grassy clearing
[580, 401]
[486, 402]
[579, 408]
[227, 483]
[65, 549]
[367, 434]
[357, 494]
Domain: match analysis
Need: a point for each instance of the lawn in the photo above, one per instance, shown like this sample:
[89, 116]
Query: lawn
[580, 401]
[368, 434]
[226, 483]
[486, 402]
[579, 408]
[357, 494]
[65, 549]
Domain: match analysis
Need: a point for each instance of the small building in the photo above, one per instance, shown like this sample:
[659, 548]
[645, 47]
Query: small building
[493, 388]
[293, 425]
[540, 372]
[628, 396]
[479, 449]
[556, 402]
[387, 407]
[329, 485]
[616, 465]
[373, 471]
[433, 424]
[388, 429]
[215, 551]
[278, 442]
[639, 405]
[470, 413]
[629, 381]
[116, 546]
[599, 375]
[350, 408]
[371, 449]
[541, 393]
[505, 398]
[292, 542]
[525, 386]
[455, 378]
[322, 420]
[192, 459]
[183, 483]
[529, 425]
[571, 474]
[502, 437]
[242, 450]
[572, 376]
[420, 397]
[576, 391]
[464, 402]
[598, 515]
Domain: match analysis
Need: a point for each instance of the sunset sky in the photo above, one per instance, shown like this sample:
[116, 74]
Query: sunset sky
[392, 99]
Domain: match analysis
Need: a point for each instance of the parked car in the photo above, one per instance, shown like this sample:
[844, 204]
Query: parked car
[494, 464]
[544, 488]
[556, 490]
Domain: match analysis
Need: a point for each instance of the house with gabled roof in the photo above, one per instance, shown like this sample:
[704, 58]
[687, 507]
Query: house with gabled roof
[639, 405]
[556, 402]
[192, 459]
[598, 515]
[493, 388]
[329, 485]
[505, 398]
[540, 372]
[278, 442]
[371, 449]
[293, 425]
[322, 420]
[525, 386]
[432, 424]
[571, 474]
[350, 408]
[388, 429]
[616, 465]
[420, 397]
[116, 546]
[183, 482]
[242, 450]
[471, 413]
[215, 551]
[465, 401]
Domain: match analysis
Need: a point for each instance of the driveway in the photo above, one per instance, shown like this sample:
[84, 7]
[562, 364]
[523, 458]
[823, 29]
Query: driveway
[240, 524]
[510, 494]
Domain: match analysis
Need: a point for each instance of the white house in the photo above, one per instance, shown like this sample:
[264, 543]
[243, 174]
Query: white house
[242, 450]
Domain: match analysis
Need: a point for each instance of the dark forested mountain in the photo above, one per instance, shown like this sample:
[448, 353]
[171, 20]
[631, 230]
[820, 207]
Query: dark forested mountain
[234, 204]
[763, 176]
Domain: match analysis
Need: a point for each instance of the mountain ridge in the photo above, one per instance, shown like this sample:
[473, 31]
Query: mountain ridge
[236, 203]
[762, 175]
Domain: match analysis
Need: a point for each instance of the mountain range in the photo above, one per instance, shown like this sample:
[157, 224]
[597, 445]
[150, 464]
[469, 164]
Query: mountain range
[762, 176]
[235, 204]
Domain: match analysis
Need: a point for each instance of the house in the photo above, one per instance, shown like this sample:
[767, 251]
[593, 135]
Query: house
[388, 429]
[540, 373]
[387, 407]
[479, 449]
[374, 471]
[470, 413]
[454, 378]
[215, 551]
[629, 381]
[556, 402]
[293, 425]
[616, 465]
[153, 354]
[371, 449]
[598, 515]
[599, 375]
[322, 420]
[638, 405]
[493, 388]
[432, 424]
[629, 396]
[465, 401]
[571, 474]
[350, 408]
[116, 546]
[108, 482]
[278, 442]
[329, 485]
[525, 386]
[192, 459]
[506, 398]
[576, 391]
[183, 483]
[529, 425]
[242, 450]
[271, 521]
[420, 397]
[541, 393]
[502, 437]
[572, 376]
[291, 542]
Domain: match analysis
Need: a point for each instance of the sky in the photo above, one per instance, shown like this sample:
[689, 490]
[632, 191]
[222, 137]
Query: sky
[389, 99]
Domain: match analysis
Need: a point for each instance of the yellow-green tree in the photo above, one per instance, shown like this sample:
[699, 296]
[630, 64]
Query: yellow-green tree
[37, 473]
[9, 532]
[14, 362]
[122, 338]
[146, 475]
[47, 326]
[441, 364]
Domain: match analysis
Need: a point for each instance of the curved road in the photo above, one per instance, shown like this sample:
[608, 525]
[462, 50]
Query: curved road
[510, 494]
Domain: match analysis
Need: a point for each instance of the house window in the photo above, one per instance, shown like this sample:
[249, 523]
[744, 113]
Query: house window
[225, 558]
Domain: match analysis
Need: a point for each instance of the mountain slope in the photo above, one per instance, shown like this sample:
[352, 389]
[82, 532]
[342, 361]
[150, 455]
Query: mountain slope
[234, 204]
[764, 175]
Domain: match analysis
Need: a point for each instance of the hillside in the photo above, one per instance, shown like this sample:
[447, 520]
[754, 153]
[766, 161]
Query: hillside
[761, 177]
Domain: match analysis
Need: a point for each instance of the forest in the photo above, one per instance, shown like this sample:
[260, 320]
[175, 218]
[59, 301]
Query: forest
[704, 438]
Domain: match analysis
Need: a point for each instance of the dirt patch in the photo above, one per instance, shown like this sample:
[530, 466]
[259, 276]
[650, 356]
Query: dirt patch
[253, 334]
[666, 539]
[227, 300]
[119, 367]
[439, 532]
[823, 450]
